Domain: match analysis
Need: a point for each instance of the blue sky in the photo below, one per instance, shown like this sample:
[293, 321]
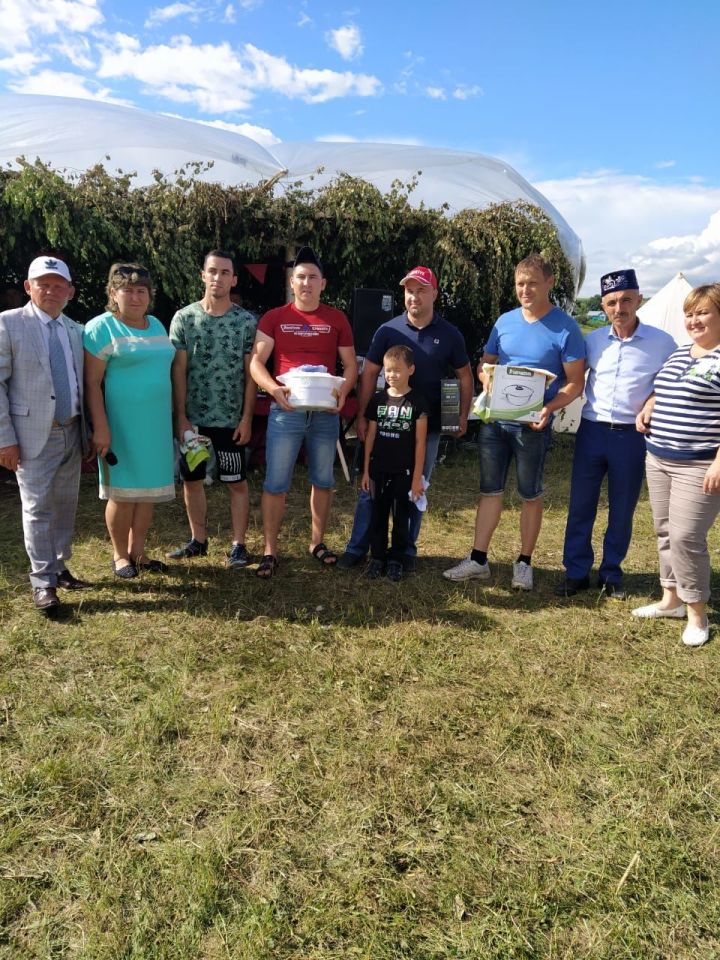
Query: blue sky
[611, 110]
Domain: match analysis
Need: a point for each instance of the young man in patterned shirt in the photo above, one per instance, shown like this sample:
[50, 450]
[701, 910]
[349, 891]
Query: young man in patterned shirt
[214, 395]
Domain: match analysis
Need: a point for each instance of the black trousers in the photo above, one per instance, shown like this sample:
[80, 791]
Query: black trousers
[390, 495]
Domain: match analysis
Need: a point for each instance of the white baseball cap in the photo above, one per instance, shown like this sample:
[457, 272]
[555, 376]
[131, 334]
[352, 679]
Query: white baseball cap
[42, 266]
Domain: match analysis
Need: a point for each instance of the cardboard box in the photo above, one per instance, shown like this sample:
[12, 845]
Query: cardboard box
[515, 393]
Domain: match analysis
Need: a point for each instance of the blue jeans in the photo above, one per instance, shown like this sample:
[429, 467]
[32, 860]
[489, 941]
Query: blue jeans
[621, 455]
[286, 432]
[499, 442]
[359, 542]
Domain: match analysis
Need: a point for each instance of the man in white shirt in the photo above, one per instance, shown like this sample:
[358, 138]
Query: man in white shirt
[622, 360]
[42, 426]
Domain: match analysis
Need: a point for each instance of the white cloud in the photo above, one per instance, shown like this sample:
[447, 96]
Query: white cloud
[219, 79]
[303, 20]
[22, 62]
[436, 93]
[171, 12]
[665, 164]
[77, 50]
[229, 16]
[259, 134]
[697, 255]
[625, 220]
[58, 84]
[23, 22]
[346, 41]
[463, 92]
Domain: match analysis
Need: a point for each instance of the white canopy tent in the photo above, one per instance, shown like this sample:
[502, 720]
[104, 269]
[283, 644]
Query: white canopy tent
[665, 309]
[76, 134]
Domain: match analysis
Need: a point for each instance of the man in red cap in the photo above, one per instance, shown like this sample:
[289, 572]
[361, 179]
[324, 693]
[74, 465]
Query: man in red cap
[439, 351]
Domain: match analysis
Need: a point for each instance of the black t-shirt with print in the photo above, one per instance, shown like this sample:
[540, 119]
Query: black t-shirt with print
[394, 447]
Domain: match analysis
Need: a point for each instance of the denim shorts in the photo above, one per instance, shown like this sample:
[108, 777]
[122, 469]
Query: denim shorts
[286, 433]
[499, 441]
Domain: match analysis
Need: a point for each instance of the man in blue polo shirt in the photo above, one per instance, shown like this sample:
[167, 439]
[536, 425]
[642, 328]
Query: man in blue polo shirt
[438, 346]
[539, 335]
[622, 360]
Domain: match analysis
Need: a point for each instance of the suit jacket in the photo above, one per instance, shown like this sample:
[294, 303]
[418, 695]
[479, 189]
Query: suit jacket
[27, 402]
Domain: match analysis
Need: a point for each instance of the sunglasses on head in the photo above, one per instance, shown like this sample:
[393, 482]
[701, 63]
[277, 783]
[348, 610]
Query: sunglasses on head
[135, 272]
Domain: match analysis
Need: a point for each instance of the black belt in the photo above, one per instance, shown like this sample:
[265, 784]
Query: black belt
[67, 423]
[614, 426]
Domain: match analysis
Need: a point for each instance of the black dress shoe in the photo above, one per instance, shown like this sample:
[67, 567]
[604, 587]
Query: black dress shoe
[613, 591]
[68, 582]
[569, 587]
[46, 600]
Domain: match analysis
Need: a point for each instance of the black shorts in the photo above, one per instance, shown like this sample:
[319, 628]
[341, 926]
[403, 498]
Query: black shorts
[230, 457]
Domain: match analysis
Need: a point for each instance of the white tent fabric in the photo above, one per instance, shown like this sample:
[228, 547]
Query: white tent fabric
[665, 309]
[76, 134]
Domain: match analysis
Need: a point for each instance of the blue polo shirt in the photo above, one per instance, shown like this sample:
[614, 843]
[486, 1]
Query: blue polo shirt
[544, 344]
[622, 372]
[439, 350]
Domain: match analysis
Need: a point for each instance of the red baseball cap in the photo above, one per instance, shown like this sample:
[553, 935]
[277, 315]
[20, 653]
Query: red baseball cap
[423, 274]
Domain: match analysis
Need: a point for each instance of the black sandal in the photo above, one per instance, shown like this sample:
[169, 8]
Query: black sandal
[324, 556]
[267, 567]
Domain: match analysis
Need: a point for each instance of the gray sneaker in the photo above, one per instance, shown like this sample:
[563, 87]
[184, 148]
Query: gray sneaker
[468, 569]
[238, 556]
[522, 578]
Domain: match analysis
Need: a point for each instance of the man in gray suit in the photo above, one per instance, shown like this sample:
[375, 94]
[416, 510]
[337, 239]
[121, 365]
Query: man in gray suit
[42, 425]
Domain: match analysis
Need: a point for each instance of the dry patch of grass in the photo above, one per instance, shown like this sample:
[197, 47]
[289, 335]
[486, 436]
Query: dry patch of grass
[204, 765]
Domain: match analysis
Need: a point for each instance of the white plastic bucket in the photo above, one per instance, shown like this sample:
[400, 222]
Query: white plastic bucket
[311, 391]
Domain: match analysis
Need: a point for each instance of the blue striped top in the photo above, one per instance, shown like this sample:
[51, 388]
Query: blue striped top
[685, 422]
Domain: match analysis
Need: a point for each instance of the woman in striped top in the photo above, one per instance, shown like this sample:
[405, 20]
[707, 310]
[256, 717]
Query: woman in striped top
[682, 424]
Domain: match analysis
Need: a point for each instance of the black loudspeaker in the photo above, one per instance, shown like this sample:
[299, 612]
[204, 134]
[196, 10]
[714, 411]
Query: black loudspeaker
[370, 309]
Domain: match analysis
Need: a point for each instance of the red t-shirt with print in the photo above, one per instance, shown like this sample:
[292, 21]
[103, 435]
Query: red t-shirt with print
[302, 337]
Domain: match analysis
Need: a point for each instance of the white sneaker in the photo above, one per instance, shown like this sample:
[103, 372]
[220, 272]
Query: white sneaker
[695, 636]
[522, 578]
[653, 612]
[468, 569]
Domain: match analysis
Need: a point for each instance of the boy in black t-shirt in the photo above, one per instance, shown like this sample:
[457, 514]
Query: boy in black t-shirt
[394, 455]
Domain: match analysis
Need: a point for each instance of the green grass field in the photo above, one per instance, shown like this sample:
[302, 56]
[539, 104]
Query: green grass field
[202, 765]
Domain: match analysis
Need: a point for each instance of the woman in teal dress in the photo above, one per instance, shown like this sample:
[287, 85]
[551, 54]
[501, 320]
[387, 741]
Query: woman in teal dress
[128, 356]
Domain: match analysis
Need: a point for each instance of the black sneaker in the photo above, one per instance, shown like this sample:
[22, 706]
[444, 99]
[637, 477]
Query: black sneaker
[348, 561]
[375, 570]
[193, 548]
[569, 587]
[613, 591]
[394, 571]
[238, 556]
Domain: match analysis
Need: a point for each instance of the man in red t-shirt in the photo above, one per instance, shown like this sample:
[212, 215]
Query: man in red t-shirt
[303, 331]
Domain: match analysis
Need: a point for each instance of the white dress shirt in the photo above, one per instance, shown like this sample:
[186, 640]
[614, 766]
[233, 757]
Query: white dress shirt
[45, 320]
[622, 372]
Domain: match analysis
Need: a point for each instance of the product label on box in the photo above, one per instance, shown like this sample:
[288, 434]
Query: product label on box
[516, 393]
[449, 406]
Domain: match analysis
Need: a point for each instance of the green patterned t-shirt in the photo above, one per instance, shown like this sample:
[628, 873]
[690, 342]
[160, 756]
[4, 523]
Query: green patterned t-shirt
[216, 347]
